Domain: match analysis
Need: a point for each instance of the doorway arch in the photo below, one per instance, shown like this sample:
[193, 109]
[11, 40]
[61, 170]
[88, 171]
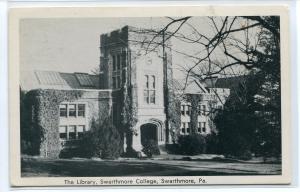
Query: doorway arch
[148, 132]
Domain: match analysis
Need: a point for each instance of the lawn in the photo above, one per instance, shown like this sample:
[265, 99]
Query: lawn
[37, 167]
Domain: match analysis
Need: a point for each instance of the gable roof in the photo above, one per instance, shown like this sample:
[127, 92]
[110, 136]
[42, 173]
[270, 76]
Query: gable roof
[192, 87]
[224, 82]
[57, 80]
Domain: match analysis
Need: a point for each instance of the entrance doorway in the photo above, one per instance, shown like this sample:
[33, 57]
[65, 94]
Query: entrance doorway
[148, 132]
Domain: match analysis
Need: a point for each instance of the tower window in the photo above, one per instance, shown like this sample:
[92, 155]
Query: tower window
[117, 71]
[118, 81]
[123, 59]
[153, 81]
[149, 89]
[152, 96]
[118, 62]
[114, 63]
[147, 81]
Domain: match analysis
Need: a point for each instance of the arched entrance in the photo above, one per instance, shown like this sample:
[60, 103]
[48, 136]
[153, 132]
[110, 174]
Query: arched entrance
[148, 132]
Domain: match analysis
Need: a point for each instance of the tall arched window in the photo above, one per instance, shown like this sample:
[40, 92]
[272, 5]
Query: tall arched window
[149, 89]
[116, 72]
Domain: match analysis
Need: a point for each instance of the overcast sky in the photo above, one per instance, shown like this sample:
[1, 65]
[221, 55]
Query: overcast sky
[72, 44]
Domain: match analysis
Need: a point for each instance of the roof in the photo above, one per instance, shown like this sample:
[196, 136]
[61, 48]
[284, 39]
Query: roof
[192, 87]
[57, 80]
[225, 82]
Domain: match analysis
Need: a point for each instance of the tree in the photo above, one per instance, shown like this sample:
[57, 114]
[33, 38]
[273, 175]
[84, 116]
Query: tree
[102, 141]
[247, 44]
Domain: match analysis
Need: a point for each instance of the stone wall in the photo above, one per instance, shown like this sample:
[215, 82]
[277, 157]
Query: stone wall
[134, 43]
[43, 106]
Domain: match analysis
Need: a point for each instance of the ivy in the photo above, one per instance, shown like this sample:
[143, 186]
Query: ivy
[129, 109]
[174, 116]
[44, 118]
[194, 100]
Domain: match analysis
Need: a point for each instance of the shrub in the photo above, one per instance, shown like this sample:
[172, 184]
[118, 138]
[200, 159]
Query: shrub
[213, 144]
[191, 144]
[130, 152]
[102, 141]
[151, 148]
[172, 148]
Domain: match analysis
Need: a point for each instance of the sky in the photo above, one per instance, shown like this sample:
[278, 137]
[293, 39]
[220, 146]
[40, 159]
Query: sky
[72, 44]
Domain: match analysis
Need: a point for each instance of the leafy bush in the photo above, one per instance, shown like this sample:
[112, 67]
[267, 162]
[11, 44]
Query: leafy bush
[191, 144]
[151, 148]
[102, 141]
[212, 144]
[172, 148]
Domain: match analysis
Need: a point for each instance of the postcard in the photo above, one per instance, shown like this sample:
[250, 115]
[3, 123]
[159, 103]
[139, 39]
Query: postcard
[149, 96]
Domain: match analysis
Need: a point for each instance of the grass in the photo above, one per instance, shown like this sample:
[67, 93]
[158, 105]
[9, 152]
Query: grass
[37, 167]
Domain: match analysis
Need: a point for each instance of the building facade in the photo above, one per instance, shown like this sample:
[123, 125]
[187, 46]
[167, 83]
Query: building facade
[135, 80]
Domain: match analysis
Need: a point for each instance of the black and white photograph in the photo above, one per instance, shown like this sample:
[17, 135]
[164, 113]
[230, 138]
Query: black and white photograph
[172, 97]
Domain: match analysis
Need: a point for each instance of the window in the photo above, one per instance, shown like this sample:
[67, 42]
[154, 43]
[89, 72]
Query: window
[204, 127]
[203, 109]
[123, 59]
[199, 110]
[188, 110]
[81, 110]
[183, 128]
[80, 131]
[72, 132]
[118, 81]
[63, 110]
[117, 72]
[153, 82]
[114, 63]
[149, 89]
[63, 132]
[182, 110]
[152, 97]
[72, 110]
[146, 80]
[114, 82]
[188, 127]
[124, 76]
[199, 127]
[118, 62]
[146, 96]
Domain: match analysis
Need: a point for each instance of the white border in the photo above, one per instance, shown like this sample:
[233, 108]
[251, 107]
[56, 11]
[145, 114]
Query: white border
[295, 82]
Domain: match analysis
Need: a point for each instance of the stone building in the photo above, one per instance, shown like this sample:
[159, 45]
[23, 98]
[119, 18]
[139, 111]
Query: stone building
[135, 89]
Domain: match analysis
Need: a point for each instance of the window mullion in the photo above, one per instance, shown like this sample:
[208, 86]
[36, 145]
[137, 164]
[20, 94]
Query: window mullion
[76, 110]
[76, 133]
[67, 131]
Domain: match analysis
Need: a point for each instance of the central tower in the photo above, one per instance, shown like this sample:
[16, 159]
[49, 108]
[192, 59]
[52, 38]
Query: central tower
[137, 63]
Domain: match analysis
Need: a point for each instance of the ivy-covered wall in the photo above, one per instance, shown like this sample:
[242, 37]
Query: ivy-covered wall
[43, 121]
